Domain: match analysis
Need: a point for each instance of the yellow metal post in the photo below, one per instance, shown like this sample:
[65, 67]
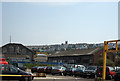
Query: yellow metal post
[104, 60]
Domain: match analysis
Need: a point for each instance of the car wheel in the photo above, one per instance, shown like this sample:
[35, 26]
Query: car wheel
[23, 79]
[53, 74]
[75, 75]
[110, 77]
[84, 76]
[64, 74]
[29, 79]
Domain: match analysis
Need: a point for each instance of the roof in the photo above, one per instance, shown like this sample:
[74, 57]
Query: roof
[18, 45]
[17, 56]
[76, 52]
[41, 55]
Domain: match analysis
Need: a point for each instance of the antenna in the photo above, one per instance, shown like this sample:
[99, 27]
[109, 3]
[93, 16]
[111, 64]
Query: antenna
[10, 38]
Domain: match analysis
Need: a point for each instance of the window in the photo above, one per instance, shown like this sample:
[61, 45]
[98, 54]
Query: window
[17, 49]
[13, 69]
[112, 69]
[4, 50]
[11, 49]
[23, 51]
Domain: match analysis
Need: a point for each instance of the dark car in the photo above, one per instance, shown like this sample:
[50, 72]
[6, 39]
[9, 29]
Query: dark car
[79, 71]
[90, 71]
[19, 65]
[10, 72]
[48, 69]
[34, 69]
[117, 76]
[69, 71]
[58, 70]
[110, 72]
[41, 69]
[38, 69]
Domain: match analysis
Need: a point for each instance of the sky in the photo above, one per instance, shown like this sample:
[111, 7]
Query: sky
[46, 23]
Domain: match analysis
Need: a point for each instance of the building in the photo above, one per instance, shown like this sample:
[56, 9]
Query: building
[17, 52]
[41, 58]
[80, 56]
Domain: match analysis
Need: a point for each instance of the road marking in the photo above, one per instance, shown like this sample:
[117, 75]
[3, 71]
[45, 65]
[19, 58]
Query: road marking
[11, 75]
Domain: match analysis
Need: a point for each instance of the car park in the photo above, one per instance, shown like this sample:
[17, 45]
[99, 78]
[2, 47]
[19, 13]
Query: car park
[58, 70]
[10, 72]
[90, 71]
[117, 76]
[110, 72]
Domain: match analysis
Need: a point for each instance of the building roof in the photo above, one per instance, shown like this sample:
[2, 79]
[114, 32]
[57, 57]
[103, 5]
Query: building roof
[17, 56]
[76, 52]
[18, 45]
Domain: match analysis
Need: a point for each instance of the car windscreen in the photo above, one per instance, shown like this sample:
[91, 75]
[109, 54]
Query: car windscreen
[101, 69]
[20, 64]
[69, 69]
[91, 68]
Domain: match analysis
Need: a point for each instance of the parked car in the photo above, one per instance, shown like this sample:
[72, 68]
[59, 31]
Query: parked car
[58, 70]
[110, 72]
[117, 76]
[90, 71]
[34, 69]
[48, 69]
[69, 71]
[79, 71]
[12, 70]
[19, 65]
[41, 69]
[38, 69]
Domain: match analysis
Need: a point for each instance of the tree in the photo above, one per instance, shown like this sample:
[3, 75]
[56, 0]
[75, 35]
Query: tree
[108, 62]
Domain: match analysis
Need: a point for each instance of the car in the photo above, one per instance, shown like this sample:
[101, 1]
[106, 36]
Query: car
[38, 69]
[58, 70]
[10, 72]
[48, 69]
[34, 69]
[79, 71]
[117, 76]
[90, 71]
[69, 71]
[110, 72]
[41, 69]
[19, 65]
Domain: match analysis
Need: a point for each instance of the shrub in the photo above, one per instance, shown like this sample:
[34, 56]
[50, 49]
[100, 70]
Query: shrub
[108, 62]
[30, 65]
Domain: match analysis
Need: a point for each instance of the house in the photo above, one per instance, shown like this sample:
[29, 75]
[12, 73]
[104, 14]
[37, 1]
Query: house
[17, 52]
[80, 56]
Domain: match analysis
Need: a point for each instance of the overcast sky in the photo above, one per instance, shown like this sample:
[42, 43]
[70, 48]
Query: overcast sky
[47, 23]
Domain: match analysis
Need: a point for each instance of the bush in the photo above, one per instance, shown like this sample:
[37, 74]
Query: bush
[30, 65]
[108, 62]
